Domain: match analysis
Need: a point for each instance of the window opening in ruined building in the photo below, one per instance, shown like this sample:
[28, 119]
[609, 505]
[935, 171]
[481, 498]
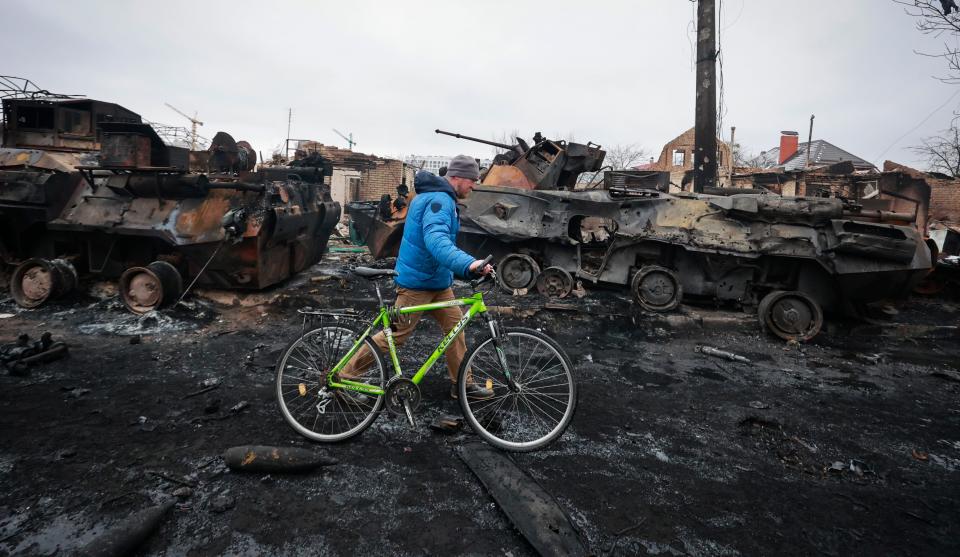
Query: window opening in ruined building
[679, 157]
[354, 188]
[869, 190]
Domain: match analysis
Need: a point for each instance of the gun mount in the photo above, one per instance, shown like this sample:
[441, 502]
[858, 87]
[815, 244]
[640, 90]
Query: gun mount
[545, 165]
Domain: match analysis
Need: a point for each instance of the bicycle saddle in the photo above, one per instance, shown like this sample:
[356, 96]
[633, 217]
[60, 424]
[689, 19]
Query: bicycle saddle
[368, 273]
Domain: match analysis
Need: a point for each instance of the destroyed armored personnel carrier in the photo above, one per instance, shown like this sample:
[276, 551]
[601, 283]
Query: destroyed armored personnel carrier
[789, 257]
[87, 188]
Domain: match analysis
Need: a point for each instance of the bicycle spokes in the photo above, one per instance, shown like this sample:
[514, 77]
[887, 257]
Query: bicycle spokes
[308, 403]
[538, 405]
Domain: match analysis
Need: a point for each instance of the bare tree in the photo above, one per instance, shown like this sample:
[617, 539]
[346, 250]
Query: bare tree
[743, 158]
[942, 152]
[505, 137]
[936, 18]
[625, 157]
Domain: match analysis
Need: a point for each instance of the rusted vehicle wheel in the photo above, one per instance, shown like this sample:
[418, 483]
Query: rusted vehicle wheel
[790, 315]
[37, 280]
[656, 288]
[554, 282]
[517, 272]
[145, 289]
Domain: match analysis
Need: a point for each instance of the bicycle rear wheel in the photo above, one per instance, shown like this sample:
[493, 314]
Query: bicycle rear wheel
[315, 410]
[542, 408]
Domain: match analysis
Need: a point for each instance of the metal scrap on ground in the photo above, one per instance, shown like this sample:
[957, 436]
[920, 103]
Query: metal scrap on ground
[533, 511]
[257, 458]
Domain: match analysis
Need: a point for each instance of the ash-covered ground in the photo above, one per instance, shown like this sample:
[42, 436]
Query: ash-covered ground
[848, 445]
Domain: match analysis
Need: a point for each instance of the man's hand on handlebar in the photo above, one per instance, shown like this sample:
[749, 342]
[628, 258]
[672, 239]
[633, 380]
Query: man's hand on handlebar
[482, 266]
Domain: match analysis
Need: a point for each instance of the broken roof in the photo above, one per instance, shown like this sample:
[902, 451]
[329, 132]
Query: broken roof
[823, 153]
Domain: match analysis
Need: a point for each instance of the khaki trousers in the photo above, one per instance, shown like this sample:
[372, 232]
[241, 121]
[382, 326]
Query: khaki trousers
[404, 326]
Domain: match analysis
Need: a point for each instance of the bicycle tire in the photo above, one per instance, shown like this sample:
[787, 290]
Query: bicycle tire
[297, 357]
[484, 415]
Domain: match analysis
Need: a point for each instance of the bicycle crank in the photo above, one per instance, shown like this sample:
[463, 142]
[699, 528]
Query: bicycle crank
[402, 397]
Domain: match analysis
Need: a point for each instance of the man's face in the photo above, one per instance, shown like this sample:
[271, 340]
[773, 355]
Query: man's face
[463, 186]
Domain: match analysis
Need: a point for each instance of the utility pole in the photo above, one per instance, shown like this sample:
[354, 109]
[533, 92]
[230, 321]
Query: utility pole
[733, 153]
[705, 141]
[286, 144]
[810, 140]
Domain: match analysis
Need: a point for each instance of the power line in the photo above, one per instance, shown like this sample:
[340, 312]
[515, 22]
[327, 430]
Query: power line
[915, 128]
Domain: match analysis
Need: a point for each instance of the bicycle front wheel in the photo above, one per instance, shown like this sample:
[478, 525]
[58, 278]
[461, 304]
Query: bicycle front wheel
[539, 410]
[312, 408]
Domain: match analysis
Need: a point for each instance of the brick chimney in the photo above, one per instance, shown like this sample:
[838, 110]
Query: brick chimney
[789, 142]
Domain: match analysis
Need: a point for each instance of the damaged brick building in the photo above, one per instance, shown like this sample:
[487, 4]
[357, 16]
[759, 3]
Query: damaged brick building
[944, 193]
[359, 176]
[677, 159]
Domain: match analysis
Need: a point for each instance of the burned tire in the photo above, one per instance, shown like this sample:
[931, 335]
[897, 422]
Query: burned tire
[38, 280]
[517, 272]
[145, 289]
[790, 315]
[656, 288]
[554, 282]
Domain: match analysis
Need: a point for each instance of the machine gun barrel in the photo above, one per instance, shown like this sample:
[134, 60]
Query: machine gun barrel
[484, 141]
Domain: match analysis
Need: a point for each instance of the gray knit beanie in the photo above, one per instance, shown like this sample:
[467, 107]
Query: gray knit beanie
[464, 167]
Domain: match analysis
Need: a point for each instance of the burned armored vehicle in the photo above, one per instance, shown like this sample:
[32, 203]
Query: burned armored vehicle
[379, 225]
[789, 257]
[157, 217]
[547, 164]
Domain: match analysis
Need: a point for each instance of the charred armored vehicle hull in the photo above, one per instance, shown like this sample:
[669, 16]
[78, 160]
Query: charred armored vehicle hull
[788, 256]
[158, 218]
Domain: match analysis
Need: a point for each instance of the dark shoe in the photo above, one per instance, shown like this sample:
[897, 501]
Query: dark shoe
[474, 392]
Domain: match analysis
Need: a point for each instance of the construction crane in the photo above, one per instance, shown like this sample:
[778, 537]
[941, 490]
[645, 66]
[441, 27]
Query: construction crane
[350, 141]
[193, 129]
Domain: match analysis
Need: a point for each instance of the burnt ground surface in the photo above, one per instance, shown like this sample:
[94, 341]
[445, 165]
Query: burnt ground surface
[847, 445]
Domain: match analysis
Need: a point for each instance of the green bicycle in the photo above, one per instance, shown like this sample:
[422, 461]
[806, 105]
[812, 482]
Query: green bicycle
[534, 391]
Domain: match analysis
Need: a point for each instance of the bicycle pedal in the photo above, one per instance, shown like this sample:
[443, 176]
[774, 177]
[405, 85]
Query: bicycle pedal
[409, 412]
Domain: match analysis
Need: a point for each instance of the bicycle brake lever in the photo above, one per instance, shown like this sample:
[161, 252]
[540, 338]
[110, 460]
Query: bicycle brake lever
[477, 282]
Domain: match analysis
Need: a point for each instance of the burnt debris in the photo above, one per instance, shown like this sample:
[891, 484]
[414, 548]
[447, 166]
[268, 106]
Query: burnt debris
[18, 357]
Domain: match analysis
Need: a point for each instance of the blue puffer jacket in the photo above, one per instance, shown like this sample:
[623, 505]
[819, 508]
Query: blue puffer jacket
[429, 255]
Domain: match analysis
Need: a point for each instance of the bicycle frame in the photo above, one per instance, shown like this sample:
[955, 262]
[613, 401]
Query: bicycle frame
[383, 319]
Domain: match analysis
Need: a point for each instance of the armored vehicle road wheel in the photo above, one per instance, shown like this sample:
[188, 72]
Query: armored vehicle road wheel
[554, 282]
[37, 280]
[790, 315]
[517, 272]
[145, 289]
[656, 288]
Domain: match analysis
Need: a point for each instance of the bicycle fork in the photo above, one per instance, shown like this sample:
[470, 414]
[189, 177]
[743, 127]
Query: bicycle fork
[501, 355]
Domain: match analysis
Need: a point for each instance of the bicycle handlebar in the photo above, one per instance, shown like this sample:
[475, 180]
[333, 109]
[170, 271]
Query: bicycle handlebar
[477, 282]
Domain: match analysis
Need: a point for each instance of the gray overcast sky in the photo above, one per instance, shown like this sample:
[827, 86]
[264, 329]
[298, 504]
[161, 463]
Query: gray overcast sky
[612, 72]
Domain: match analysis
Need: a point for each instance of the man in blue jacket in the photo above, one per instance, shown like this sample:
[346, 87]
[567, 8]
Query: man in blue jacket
[429, 257]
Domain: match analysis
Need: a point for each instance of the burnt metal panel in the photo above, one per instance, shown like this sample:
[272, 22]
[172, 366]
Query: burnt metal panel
[531, 509]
